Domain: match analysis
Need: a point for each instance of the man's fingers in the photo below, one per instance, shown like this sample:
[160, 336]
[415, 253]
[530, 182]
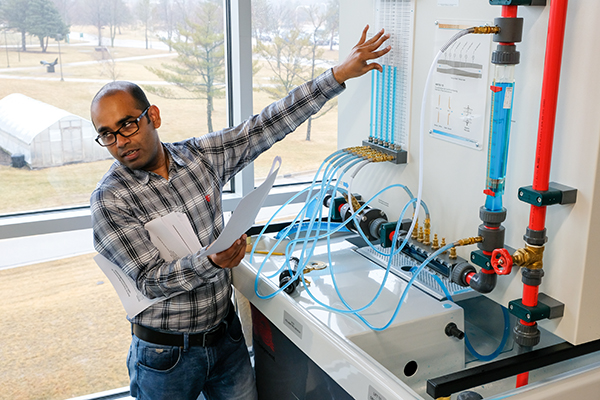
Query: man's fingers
[380, 53]
[375, 38]
[363, 36]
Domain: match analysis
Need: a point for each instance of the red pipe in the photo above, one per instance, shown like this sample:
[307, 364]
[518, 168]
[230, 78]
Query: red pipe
[552, 64]
[530, 295]
[509, 11]
[543, 156]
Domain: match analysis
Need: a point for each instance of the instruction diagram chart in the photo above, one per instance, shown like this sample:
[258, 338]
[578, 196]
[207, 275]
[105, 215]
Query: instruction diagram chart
[460, 84]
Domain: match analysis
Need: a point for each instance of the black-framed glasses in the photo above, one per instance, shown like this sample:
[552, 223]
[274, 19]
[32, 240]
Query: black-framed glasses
[129, 128]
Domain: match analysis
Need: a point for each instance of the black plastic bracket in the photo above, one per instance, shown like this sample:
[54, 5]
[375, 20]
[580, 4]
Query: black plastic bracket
[547, 308]
[556, 194]
[481, 260]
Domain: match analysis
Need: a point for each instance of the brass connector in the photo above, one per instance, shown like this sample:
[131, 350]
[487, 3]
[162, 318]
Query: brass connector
[443, 244]
[427, 232]
[415, 232]
[420, 237]
[485, 30]
[453, 255]
[355, 204]
[426, 239]
[369, 153]
[468, 241]
[435, 245]
[529, 257]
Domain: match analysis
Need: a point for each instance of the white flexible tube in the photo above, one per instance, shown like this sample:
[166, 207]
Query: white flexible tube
[422, 122]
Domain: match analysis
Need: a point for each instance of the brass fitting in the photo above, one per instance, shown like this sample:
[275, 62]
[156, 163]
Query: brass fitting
[485, 30]
[468, 241]
[415, 232]
[420, 237]
[443, 244]
[453, 255]
[529, 257]
[355, 204]
[435, 245]
[369, 153]
[427, 232]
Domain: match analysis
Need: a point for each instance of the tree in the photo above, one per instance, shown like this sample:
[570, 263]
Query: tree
[118, 13]
[44, 21]
[97, 15]
[144, 13]
[318, 20]
[166, 17]
[15, 14]
[332, 20]
[286, 55]
[200, 61]
[289, 54]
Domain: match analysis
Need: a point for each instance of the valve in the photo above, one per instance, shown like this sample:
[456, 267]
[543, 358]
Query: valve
[502, 261]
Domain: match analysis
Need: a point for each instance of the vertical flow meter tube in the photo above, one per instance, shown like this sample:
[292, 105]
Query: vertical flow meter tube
[504, 58]
[500, 115]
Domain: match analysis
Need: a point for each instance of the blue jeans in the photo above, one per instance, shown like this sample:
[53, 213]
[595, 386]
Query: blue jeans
[220, 372]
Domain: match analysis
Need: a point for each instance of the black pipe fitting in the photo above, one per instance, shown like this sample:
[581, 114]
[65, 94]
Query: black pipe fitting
[483, 283]
[492, 218]
[452, 330]
[506, 55]
[526, 335]
[511, 30]
[535, 238]
[493, 238]
[532, 277]
[286, 275]
[460, 272]
[469, 395]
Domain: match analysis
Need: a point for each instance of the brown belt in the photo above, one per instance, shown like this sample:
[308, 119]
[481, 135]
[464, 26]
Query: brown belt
[204, 339]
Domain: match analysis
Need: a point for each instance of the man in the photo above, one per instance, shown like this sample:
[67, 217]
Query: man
[192, 342]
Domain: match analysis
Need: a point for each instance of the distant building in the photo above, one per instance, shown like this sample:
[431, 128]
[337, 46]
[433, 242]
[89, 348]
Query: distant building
[44, 135]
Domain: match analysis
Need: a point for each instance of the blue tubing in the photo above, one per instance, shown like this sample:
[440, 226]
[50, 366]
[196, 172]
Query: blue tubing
[468, 344]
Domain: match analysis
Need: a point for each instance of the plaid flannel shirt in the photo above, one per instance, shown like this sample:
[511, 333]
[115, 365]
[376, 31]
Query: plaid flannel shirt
[125, 200]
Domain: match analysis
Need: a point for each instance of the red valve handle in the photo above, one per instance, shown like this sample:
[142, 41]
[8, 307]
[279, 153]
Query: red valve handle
[502, 261]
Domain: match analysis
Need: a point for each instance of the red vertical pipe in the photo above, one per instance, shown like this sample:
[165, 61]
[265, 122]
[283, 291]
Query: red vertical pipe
[509, 11]
[543, 156]
[552, 64]
[530, 295]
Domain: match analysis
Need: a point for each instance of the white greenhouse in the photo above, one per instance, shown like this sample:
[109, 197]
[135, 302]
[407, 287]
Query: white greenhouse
[44, 135]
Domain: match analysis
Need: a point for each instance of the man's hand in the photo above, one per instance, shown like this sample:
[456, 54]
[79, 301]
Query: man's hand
[356, 63]
[232, 256]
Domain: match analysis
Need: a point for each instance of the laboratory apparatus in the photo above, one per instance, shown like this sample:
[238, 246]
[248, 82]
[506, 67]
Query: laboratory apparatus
[447, 249]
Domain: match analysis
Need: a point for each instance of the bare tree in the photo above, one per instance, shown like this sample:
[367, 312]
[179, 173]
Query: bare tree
[97, 14]
[317, 18]
[118, 13]
[144, 13]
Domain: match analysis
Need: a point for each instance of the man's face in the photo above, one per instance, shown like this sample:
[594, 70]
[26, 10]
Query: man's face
[142, 150]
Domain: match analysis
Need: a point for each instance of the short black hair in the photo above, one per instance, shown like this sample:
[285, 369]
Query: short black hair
[139, 97]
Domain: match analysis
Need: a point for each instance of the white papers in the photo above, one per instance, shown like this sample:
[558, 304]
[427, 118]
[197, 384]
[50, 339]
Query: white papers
[174, 238]
[245, 213]
[132, 299]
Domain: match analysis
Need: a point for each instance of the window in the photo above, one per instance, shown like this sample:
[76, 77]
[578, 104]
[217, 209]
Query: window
[63, 309]
[68, 334]
[293, 42]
